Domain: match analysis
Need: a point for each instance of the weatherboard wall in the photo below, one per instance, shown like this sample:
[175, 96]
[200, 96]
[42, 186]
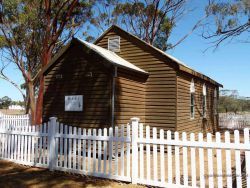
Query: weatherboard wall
[71, 75]
[160, 98]
[198, 123]
[160, 86]
[129, 96]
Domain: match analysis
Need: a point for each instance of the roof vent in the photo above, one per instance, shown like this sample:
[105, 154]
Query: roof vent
[114, 44]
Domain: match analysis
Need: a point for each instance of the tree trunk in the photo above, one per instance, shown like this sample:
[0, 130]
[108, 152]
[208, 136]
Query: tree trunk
[27, 104]
[39, 102]
[27, 100]
[32, 102]
[46, 57]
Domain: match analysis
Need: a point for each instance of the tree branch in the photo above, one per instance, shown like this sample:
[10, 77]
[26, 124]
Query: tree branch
[189, 33]
[6, 78]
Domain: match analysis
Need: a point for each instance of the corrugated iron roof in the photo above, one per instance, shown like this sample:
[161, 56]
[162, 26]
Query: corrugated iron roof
[111, 56]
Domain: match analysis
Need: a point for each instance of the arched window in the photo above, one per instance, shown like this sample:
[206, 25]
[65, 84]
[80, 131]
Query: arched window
[215, 101]
[204, 101]
[192, 99]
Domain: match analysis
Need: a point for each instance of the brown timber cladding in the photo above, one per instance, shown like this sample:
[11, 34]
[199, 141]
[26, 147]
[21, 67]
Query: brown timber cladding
[73, 66]
[129, 97]
[184, 122]
[160, 98]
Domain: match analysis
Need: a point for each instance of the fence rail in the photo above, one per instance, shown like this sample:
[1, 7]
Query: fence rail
[15, 120]
[234, 121]
[132, 153]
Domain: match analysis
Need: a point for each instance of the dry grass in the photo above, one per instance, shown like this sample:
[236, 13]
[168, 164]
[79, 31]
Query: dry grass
[12, 112]
[17, 176]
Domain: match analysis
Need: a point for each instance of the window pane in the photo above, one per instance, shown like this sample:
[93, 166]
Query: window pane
[192, 98]
[204, 105]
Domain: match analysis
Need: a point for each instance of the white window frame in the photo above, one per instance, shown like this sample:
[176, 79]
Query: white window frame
[192, 99]
[119, 43]
[204, 101]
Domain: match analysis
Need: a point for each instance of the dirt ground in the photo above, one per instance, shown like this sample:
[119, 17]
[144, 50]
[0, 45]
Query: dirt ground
[17, 176]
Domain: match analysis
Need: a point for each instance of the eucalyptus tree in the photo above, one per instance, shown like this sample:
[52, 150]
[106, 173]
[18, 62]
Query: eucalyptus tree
[31, 31]
[229, 20]
[153, 21]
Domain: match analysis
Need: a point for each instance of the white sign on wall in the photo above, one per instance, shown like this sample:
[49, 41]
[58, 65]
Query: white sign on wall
[74, 103]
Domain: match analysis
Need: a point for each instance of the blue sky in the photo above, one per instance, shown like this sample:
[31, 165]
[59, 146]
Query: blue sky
[229, 64]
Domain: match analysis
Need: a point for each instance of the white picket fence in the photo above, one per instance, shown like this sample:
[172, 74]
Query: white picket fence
[18, 120]
[131, 153]
[234, 121]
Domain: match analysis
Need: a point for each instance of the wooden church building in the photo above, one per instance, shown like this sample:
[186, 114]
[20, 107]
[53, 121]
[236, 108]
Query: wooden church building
[120, 76]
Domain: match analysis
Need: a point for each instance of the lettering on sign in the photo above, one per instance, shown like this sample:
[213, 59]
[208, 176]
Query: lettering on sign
[74, 103]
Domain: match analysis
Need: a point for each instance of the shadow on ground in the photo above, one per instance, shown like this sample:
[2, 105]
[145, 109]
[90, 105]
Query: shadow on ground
[13, 175]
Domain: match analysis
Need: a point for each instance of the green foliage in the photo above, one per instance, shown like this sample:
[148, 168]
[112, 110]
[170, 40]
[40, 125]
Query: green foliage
[145, 16]
[23, 86]
[31, 32]
[231, 18]
[231, 104]
[20, 103]
[5, 102]
[103, 16]
[152, 21]
[24, 27]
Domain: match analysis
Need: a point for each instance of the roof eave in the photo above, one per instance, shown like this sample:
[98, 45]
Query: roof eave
[104, 33]
[127, 68]
[199, 75]
[57, 56]
[114, 63]
[66, 47]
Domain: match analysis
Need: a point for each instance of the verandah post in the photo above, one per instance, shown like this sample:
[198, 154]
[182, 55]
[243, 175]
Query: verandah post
[135, 125]
[52, 142]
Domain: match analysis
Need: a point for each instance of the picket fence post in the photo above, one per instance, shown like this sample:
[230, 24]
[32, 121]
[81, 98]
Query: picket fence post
[135, 125]
[52, 141]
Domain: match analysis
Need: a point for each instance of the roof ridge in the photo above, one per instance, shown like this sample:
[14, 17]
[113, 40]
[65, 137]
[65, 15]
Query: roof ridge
[182, 65]
[165, 53]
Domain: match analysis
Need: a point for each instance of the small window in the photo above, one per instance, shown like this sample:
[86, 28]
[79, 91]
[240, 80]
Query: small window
[114, 44]
[204, 101]
[192, 100]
